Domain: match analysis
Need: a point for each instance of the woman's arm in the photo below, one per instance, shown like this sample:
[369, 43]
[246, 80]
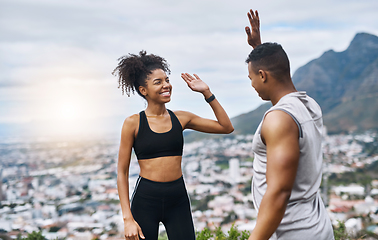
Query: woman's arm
[132, 229]
[223, 123]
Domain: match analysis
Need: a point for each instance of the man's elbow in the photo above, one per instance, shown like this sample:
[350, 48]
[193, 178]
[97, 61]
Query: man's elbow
[284, 196]
[281, 196]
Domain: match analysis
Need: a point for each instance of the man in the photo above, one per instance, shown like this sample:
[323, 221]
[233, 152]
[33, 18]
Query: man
[287, 150]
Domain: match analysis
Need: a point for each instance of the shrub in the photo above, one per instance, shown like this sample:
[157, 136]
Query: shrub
[204, 234]
[233, 234]
[340, 231]
[34, 236]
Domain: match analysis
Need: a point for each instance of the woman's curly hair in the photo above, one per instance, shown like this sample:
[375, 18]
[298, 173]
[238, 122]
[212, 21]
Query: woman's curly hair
[132, 70]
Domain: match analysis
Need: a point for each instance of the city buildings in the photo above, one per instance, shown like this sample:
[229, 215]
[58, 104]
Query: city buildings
[67, 189]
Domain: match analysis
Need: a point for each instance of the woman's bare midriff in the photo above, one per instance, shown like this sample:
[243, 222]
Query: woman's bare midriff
[162, 169]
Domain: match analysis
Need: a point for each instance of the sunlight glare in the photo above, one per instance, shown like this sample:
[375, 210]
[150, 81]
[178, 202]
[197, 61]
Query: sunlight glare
[69, 106]
[68, 111]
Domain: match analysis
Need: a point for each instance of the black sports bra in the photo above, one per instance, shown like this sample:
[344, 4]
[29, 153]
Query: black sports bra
[149, 144]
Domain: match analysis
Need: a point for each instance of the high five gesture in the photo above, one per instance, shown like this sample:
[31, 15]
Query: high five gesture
[253, 33]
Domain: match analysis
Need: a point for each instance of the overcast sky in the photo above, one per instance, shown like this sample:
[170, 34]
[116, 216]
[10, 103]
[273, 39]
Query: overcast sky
[56, 57]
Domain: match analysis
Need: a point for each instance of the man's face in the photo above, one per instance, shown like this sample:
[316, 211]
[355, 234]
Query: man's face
[255, 78]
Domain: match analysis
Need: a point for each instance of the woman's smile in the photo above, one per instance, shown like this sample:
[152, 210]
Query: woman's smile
[166, 94]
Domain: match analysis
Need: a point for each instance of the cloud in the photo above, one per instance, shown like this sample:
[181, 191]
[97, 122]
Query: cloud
[45, 43]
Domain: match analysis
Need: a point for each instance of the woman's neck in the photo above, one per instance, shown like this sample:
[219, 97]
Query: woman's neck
[155, 110]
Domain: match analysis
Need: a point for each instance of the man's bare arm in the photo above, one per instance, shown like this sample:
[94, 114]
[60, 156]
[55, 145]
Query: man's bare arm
[280, 134]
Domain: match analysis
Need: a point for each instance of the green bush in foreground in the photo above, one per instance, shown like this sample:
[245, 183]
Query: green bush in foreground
[339, 231]
[233, 234]
[34, 236]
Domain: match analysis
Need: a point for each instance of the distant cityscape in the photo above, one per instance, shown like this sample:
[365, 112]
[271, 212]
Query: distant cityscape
[68, 189]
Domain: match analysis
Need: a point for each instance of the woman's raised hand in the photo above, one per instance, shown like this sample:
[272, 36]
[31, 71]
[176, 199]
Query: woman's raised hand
[253, 36]
[195, 83]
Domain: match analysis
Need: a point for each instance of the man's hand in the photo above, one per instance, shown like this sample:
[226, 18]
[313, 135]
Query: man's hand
[253, 37]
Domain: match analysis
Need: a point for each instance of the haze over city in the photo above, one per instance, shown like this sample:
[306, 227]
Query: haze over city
[56, 57]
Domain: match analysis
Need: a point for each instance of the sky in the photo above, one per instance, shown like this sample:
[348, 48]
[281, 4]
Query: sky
[56, 57]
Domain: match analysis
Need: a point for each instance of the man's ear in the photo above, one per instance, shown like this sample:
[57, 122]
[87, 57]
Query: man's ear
[263, 75]
[143, 90]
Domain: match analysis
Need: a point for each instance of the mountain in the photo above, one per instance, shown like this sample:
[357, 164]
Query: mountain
[243, 124]
[345, 84]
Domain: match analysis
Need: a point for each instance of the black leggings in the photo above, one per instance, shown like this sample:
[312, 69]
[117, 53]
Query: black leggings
[166, 202]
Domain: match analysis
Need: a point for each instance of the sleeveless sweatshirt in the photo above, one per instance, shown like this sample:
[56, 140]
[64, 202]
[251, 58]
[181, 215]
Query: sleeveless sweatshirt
[305, 216]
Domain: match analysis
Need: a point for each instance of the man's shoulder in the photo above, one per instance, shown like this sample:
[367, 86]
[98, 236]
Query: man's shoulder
[279, 122]
[301, 106]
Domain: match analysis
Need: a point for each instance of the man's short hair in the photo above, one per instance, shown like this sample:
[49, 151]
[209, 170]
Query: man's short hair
[272, 58]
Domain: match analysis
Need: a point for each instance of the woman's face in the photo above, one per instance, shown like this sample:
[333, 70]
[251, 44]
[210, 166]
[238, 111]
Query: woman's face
[158, 87]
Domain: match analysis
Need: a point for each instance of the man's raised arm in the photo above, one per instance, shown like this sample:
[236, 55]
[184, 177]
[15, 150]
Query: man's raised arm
[253, 32]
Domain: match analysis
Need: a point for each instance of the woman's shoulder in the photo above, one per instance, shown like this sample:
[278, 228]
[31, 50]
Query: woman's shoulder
[183, 114]
[184, 117]
[131, 121]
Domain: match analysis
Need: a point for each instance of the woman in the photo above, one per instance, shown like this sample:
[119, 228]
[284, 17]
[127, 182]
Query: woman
[156, 136]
